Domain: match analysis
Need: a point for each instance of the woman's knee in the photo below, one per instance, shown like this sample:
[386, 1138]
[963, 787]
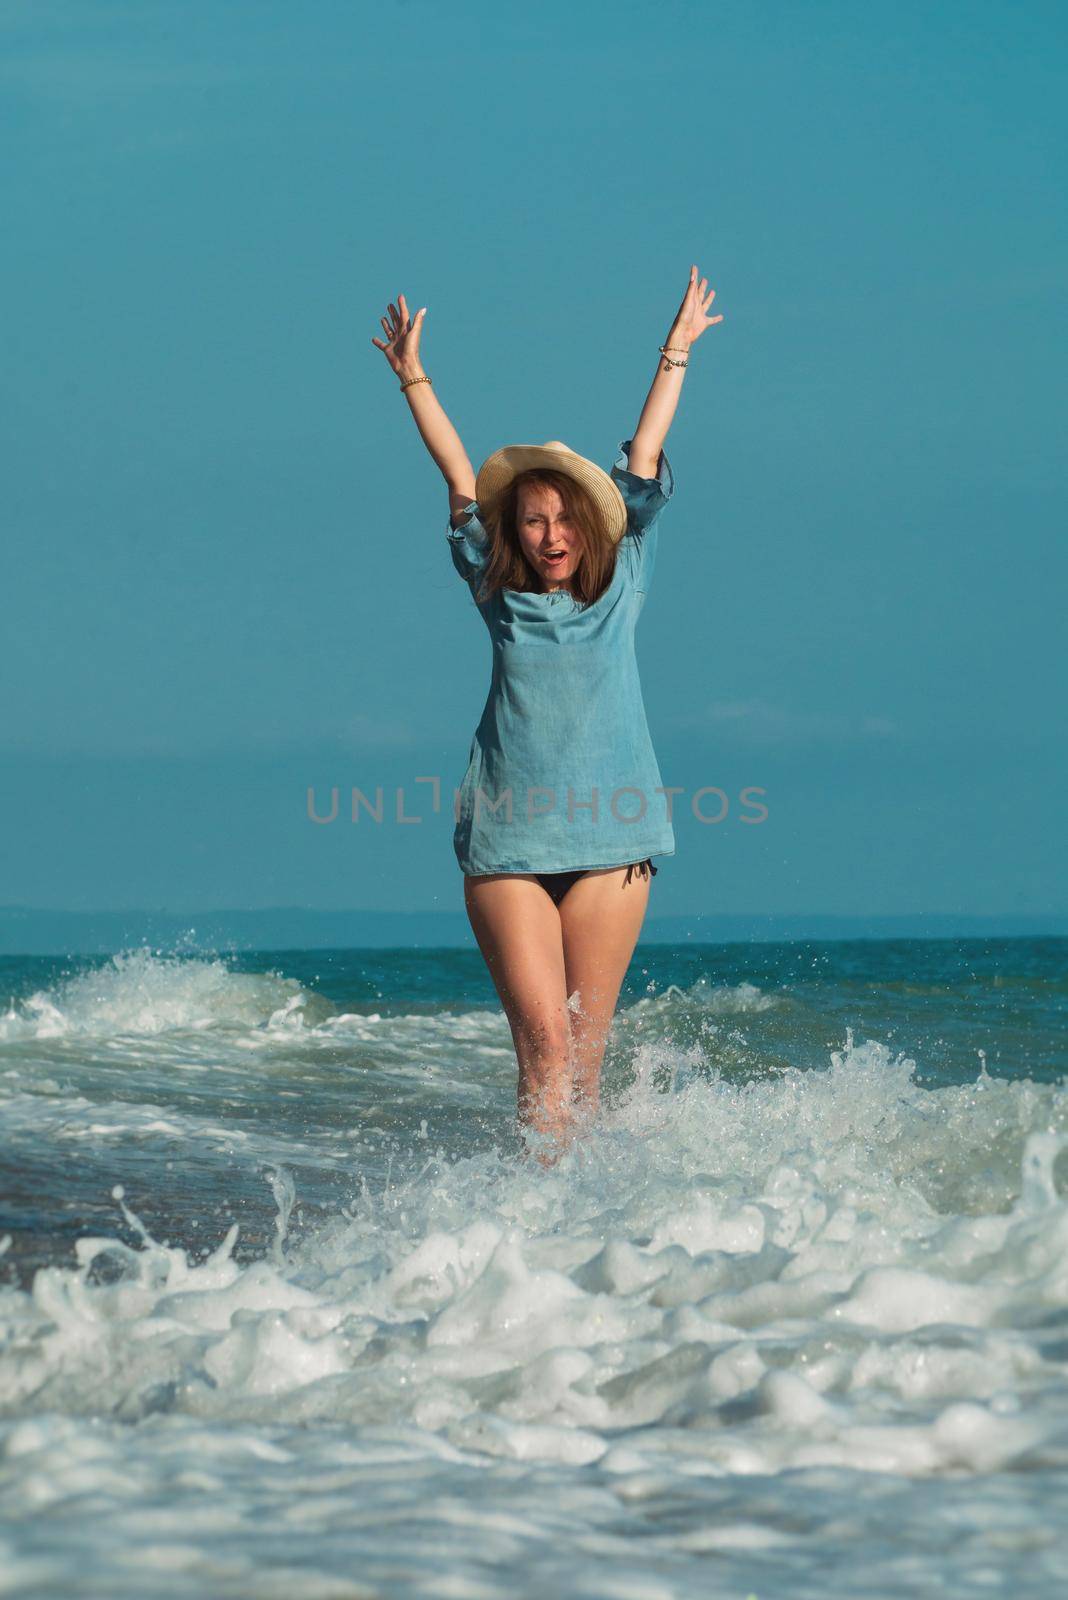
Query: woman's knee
[592, 1002]
[542, 1036]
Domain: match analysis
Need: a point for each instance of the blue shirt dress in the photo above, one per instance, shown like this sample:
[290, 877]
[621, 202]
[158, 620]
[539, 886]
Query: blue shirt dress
[562, 774]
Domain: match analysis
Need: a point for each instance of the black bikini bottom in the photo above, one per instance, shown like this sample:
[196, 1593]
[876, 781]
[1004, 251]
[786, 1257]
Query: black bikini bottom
[557, 884]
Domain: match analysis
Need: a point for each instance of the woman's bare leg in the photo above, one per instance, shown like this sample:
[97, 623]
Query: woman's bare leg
[517, 927]
[600, 918]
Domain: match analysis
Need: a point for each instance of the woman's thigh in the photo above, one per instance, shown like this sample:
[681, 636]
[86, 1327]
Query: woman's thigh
[517, 927]
[600, 919]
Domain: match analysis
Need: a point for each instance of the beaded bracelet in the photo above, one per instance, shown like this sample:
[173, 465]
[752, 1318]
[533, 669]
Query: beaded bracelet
[664, 348]
[409, 381]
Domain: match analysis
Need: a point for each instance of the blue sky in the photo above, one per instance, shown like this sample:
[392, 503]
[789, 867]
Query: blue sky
[225, 567]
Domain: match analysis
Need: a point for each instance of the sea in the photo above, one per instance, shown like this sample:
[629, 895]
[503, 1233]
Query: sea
[288, 1308]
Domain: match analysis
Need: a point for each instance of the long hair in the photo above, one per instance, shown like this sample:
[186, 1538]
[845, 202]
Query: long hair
[508, 568]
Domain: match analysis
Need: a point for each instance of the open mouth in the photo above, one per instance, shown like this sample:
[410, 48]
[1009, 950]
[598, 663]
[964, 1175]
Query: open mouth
[555, 557]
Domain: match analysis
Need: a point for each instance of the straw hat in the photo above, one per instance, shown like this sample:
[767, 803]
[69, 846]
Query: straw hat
[497, 472]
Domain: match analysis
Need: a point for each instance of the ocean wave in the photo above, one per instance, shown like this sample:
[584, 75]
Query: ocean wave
[144, 992]
[832, 1267]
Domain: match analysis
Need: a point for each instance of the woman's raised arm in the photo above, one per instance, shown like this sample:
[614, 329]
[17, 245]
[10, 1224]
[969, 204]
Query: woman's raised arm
[690, 322]
[401, 350]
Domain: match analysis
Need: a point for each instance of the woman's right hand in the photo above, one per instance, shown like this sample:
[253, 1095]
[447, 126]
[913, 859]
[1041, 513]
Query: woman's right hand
[401, 346]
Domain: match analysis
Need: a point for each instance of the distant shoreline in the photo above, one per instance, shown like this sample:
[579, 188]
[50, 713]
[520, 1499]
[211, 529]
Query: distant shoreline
[28, 931]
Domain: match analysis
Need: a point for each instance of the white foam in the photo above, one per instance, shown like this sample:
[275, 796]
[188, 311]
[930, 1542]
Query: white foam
[143, 992]
[830, 1278]
[794, 1216]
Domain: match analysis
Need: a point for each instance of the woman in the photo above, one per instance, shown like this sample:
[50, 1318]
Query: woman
[562, 807]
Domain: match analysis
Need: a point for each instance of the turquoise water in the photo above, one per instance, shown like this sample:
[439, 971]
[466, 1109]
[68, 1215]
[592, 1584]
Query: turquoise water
[285, 1310]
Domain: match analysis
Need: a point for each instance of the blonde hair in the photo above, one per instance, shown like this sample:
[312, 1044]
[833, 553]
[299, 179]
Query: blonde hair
[506, 565]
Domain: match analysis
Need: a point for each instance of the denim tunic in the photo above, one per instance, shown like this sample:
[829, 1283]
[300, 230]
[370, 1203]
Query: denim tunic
[562, 774]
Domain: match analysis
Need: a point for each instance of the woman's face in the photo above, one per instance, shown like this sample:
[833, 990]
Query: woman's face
[551, 543]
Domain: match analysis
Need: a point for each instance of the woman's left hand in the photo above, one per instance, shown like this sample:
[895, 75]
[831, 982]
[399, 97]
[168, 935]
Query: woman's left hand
[692, 318]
